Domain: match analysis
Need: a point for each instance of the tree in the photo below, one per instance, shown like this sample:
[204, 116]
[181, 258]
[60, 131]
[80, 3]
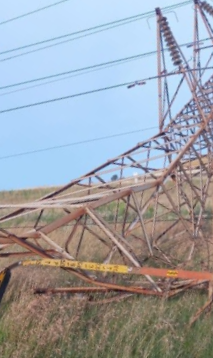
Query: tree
[114, 177]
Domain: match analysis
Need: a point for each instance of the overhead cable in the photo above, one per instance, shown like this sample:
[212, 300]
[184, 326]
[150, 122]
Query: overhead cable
[103, 64]
[78, 70]
[32, 12]
[64, 97]
[81, 73]
[62, 42]
[57, 99]
[75, 143]
[80, 94]
[97, 28]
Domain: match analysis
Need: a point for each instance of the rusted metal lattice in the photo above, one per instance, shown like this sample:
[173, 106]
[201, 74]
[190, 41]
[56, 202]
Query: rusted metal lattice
[155, 219]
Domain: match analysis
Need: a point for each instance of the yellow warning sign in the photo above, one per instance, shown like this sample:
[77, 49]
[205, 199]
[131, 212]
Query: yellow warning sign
[172, 273]
[90, 266]
[2, 277]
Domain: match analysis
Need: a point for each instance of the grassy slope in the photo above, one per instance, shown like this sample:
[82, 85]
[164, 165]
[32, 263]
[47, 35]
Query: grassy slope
[70, 326]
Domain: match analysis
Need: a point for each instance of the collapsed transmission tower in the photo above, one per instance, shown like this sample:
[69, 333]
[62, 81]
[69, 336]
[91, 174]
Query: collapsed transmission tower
[111, 234]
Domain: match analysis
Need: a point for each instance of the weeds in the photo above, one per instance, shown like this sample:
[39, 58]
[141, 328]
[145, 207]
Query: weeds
[139, 327]
[63, 326]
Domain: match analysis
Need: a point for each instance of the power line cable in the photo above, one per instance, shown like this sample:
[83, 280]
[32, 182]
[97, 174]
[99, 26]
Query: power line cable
[67, 77]
[79, 70]
[57, 99]
[145, 14]
[75, 143]
[66, 41]
[82, 73]
[33, 12]
[64, 97]
[103, 64]
[98, 29]
[63, 42]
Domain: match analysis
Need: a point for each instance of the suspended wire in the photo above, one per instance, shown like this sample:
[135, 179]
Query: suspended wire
[68, 77]
[65, 41]
[127, 84]
[75, 143]
[64, 97]
[138, 16]
[57, 99]
[103, 64]
[79, 70]
[98, 28]
[32, 12]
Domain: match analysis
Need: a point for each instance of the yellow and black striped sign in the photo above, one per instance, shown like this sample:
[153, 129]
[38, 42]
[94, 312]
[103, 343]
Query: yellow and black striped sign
[2, 277]
[172, 273]
[120, 269]
[4, 280]
[90, 266]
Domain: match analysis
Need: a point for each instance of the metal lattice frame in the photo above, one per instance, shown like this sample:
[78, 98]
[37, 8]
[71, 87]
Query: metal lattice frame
[95, 219]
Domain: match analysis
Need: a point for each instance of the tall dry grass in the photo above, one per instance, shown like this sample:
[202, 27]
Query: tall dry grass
[72, 326]
[63, 326]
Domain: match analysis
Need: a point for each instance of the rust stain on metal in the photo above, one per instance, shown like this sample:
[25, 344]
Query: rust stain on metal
[119, 222]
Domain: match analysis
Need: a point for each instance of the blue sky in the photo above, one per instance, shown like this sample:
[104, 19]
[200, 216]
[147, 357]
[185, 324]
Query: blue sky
[82, 118]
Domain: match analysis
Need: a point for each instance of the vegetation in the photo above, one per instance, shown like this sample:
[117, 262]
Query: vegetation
[74, 326]
[70, 327]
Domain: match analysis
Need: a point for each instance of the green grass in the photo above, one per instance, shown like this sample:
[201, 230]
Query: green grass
[66, 326]
[58, 326]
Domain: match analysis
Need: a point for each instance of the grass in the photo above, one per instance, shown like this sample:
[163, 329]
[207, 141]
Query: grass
[72, 326]
[58, 326]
